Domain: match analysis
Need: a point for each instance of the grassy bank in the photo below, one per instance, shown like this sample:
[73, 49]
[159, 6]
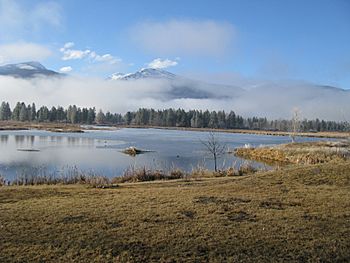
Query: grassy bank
[299, 214]
[48, 126]
[299, 153]
[72, 175]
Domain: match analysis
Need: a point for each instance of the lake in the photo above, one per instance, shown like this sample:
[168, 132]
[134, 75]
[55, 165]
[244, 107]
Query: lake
[99, 151]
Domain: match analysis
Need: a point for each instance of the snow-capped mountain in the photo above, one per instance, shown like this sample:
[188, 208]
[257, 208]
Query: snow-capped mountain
[145, 73]
[179, 87]
[27, 70]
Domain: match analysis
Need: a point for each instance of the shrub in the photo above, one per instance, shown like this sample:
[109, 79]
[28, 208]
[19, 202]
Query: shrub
[143, 175]
[2, 181]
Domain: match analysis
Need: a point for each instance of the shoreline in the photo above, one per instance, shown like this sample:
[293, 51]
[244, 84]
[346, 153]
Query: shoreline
[76, 128]
[334, 135]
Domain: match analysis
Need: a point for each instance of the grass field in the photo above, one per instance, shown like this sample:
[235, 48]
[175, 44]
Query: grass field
[298, 214]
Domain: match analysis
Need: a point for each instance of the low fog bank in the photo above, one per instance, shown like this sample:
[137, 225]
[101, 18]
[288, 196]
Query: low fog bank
[271, 100]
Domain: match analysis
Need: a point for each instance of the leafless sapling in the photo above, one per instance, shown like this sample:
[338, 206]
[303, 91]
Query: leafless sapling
[214, 147]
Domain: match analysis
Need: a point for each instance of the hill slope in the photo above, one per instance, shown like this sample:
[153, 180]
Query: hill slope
[27, 70]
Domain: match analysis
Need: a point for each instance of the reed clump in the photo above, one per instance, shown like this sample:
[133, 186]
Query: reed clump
[299, 153]
[72, 175]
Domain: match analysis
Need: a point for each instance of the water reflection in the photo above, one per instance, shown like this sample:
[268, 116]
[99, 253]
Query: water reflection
[31, 139]
[100, 151]
[4, 138]
[19, 139]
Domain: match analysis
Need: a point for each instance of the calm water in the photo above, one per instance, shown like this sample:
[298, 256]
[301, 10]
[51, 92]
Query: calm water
[99, 151]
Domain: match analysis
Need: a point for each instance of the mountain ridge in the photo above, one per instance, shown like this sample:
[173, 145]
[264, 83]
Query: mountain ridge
[180, 87]
[29, 69]
[144, 73]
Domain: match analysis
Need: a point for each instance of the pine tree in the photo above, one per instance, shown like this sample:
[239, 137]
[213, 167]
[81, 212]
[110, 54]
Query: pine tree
[53, 114]
[5, 111]
[33, 112]
[231, 120]
[16, 111]
[43, 114]
[23, 114]
[91, 115]
[213, 121]
[100, 117]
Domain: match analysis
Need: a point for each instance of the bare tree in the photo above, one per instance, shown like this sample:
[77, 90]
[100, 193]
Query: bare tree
[214, 147]
[295, 123]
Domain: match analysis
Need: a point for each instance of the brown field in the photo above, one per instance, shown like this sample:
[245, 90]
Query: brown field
[298, 214]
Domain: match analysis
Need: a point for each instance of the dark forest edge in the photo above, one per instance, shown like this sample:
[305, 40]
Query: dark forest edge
[170, 118]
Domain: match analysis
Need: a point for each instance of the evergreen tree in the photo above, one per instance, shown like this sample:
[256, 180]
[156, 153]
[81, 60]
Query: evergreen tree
[23, 114]
[72, 114]
[170, 118]
[16, 111]
[61, 115]
[43, 114]
[53, 114]
[5, 111]
[213, 120]
[231, 120]
[33, 112]
[128, 118]
[100, 117]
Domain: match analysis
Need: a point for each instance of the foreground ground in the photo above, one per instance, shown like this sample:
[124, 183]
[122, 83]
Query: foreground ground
[299, 214]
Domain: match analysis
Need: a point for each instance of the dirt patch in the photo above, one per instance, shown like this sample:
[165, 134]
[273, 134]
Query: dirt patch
[241, 216]
[188, 214]
[216, 200]
[277, 205]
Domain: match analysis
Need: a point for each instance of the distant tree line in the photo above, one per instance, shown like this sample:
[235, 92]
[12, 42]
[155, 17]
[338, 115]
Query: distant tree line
[163, 118]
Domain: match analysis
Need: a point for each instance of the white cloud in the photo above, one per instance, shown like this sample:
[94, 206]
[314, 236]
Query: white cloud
[159, 63]
[66, 69]
[105, 58]
[95, 63]
[69, 54]
[189, 37]
[68, 45]
[23, 51]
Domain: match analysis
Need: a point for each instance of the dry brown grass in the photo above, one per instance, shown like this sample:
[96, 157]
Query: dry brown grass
[133, 175]
[48, 126]
[299, 153]
[299, 214]
[2, 180]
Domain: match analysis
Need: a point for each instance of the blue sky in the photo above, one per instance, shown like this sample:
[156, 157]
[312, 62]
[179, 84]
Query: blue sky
[274, 40]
